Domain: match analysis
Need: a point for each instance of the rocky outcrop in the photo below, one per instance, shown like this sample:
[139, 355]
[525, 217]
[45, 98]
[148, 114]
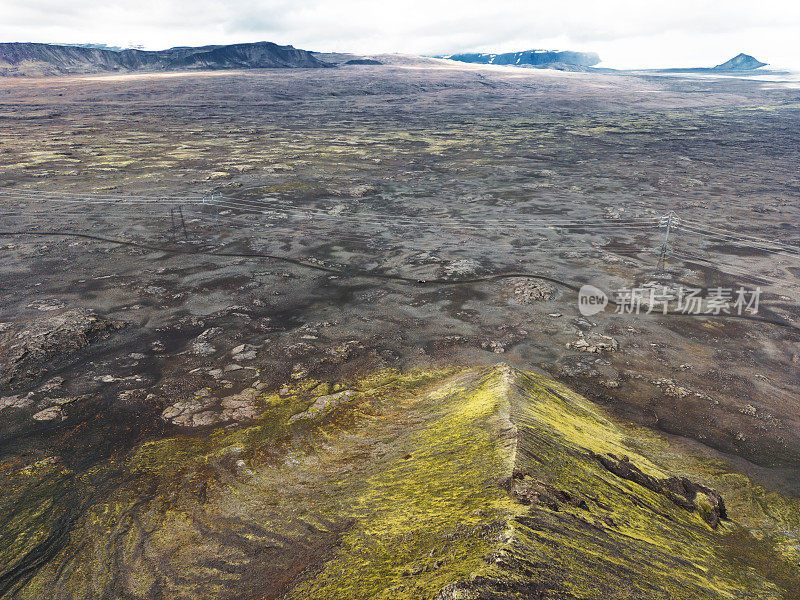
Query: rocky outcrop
[531, 57]
[525, 290]
[594, 343]
[27, 352]
[680, 491]
[205, 410]
[51, 59]
[740, 62]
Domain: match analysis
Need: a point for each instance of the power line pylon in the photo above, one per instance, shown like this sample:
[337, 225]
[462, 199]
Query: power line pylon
[668, 221]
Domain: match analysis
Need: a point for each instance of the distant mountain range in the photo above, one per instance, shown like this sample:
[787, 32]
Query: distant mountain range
[34, 59]
[531, 58]
[50, 59]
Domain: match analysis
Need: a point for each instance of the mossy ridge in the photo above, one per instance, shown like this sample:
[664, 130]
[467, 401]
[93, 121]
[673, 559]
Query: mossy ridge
[405, 492]
[626, 542]
[428, 520]
[178, 520]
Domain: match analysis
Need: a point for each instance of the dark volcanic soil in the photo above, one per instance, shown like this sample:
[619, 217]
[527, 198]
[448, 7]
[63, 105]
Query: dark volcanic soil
[417, 169]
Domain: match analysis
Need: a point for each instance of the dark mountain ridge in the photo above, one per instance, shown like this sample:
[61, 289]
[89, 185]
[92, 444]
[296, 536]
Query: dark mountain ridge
[23, 58]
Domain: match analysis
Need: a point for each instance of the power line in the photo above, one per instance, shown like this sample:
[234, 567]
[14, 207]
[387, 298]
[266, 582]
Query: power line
[352, 272]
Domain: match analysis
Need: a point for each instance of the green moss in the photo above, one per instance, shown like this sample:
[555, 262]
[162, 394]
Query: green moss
[404, 491]
[421, 519]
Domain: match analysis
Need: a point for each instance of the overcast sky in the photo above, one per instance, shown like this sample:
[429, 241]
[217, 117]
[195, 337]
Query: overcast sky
[626, 33]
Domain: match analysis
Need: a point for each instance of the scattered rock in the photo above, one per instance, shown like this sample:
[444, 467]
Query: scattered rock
[205, 410]
[670, 388]
[527, 291]
[494, 346]
[15, 401]
[49, 414]
[594, 342]
[344, 351]
[298, 372]
[46, 305]
[461, 268]
[202, 348]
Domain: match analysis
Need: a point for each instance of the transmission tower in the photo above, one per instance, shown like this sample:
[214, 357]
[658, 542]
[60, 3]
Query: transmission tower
[668, 221]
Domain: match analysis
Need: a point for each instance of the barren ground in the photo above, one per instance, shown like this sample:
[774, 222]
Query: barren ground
[431, 172]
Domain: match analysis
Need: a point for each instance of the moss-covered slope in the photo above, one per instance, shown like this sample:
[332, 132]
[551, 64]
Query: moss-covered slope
[487, 483]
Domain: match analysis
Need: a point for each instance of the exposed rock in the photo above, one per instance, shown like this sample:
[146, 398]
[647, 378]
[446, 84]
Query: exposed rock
[202, 348]
[15, 401]
[679, 490]
[324, 405]
[594, 342]
[204, 410]
[191, 413]
[528, 290]
[49, 414]
[240, 407]
[27, 353]
[51, 385]
[243, 352]
[529, 491]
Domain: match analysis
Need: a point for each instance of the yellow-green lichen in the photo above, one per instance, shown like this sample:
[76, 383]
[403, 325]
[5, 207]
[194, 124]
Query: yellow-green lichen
[414, 486]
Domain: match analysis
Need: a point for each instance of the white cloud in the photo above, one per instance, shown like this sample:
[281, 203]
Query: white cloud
[626, 33]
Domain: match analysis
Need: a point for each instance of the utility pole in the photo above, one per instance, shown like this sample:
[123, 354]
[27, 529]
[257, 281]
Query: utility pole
[668, 221]
[173, 227]
[183, 222]
[216, 213]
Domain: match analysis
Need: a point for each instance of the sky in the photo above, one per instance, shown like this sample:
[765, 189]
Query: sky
[625, 33]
